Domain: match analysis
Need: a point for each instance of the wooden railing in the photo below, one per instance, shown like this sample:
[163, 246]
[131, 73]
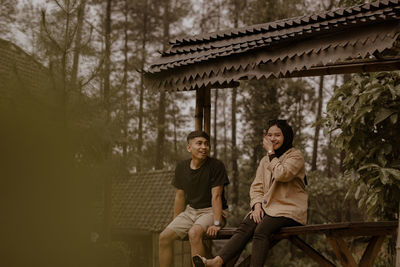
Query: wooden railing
[334, 233]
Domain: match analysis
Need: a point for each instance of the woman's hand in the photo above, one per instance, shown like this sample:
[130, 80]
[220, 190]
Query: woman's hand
[267, 144]
[257, 214]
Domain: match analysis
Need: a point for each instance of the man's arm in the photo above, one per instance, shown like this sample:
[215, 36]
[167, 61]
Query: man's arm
[179, 204]
[216, 204]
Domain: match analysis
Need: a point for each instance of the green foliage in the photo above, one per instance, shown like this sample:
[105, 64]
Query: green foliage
[328, 201]
[260, 104]
[296, 98]
[366, 110]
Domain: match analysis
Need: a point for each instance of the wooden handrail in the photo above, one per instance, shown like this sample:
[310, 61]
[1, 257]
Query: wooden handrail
[342, 228]
[334, 233]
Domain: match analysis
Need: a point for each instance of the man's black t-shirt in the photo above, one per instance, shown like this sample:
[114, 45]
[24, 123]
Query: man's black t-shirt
[197, 184]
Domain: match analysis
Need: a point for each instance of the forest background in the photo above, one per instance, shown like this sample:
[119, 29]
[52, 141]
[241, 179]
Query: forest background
[108, 124]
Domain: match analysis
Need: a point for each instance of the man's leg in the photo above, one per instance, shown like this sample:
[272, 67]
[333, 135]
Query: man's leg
[165, 250]
[196, 240]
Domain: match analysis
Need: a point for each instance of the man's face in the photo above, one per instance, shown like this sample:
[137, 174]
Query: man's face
[199, 148]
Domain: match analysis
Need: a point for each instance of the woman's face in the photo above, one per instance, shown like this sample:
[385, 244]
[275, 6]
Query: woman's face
[275, 135]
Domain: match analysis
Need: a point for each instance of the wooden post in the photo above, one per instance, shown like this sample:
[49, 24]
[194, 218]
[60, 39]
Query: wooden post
[371, 251]
[207, 110]
[342, 251]
[199, 109]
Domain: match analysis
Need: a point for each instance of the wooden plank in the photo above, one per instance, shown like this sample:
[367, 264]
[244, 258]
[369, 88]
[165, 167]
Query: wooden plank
[342, 251]
[345, 229]
[364, 231]
[337, 229]
[226, 233]
[371, 251]
[314, 228]
[334, 233]
[311, 252]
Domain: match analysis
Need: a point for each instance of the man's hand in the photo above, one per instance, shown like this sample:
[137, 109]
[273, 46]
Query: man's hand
[213, 230]
[257, 214]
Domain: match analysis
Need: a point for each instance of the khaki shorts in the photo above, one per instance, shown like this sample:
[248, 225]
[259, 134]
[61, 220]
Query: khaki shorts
[191, 216]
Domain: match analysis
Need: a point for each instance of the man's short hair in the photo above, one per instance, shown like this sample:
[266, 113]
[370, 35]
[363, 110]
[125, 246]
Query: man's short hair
[195, 134]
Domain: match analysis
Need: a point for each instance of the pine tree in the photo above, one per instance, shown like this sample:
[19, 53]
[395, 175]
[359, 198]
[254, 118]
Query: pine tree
[80, 14]
[143, 56]
[107, 107]
[161, 126]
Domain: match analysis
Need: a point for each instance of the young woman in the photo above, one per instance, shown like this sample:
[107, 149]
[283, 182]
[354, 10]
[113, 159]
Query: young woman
[277, 198]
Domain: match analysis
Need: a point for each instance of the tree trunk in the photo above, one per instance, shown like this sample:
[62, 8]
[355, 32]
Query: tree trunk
[215, 134]
[64, 60]
[299, 119]
[107, 61]
[317, 126]
[215, 139]
[329, 156]
[174, 114]
[235, 171]
[346, 78]
[107, 72]
[125, 89]
[141, 93]
[78, 41]
[207, 110]
[159, 161]
[225, 128]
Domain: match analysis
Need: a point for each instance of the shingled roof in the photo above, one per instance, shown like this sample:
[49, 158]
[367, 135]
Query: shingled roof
[143, 202]
[310, 45]
[18, 69]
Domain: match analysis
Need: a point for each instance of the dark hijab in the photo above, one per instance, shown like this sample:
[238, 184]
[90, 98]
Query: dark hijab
[287, 132]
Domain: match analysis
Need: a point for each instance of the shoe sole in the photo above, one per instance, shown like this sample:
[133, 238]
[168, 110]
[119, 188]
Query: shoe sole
[198, 262]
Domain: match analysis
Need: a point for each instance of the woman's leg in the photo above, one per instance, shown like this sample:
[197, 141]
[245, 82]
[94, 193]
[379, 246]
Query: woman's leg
[239, 240]
[262, 238]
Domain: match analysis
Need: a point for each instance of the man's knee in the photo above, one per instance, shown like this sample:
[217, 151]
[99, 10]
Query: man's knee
[195, 233]
[167, 237]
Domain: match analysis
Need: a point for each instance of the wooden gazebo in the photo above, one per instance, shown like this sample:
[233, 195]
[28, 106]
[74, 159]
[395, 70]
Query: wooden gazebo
[363, 38]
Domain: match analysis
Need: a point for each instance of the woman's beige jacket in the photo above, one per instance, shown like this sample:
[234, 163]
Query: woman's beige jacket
[279, 186]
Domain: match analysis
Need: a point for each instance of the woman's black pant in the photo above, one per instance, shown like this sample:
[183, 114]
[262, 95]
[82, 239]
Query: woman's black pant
[262, 238]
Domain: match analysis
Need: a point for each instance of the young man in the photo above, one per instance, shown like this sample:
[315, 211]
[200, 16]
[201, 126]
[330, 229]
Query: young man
[200, 205]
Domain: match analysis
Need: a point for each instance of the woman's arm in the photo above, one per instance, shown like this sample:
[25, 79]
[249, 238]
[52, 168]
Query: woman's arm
[287, 169]
[257, 187]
